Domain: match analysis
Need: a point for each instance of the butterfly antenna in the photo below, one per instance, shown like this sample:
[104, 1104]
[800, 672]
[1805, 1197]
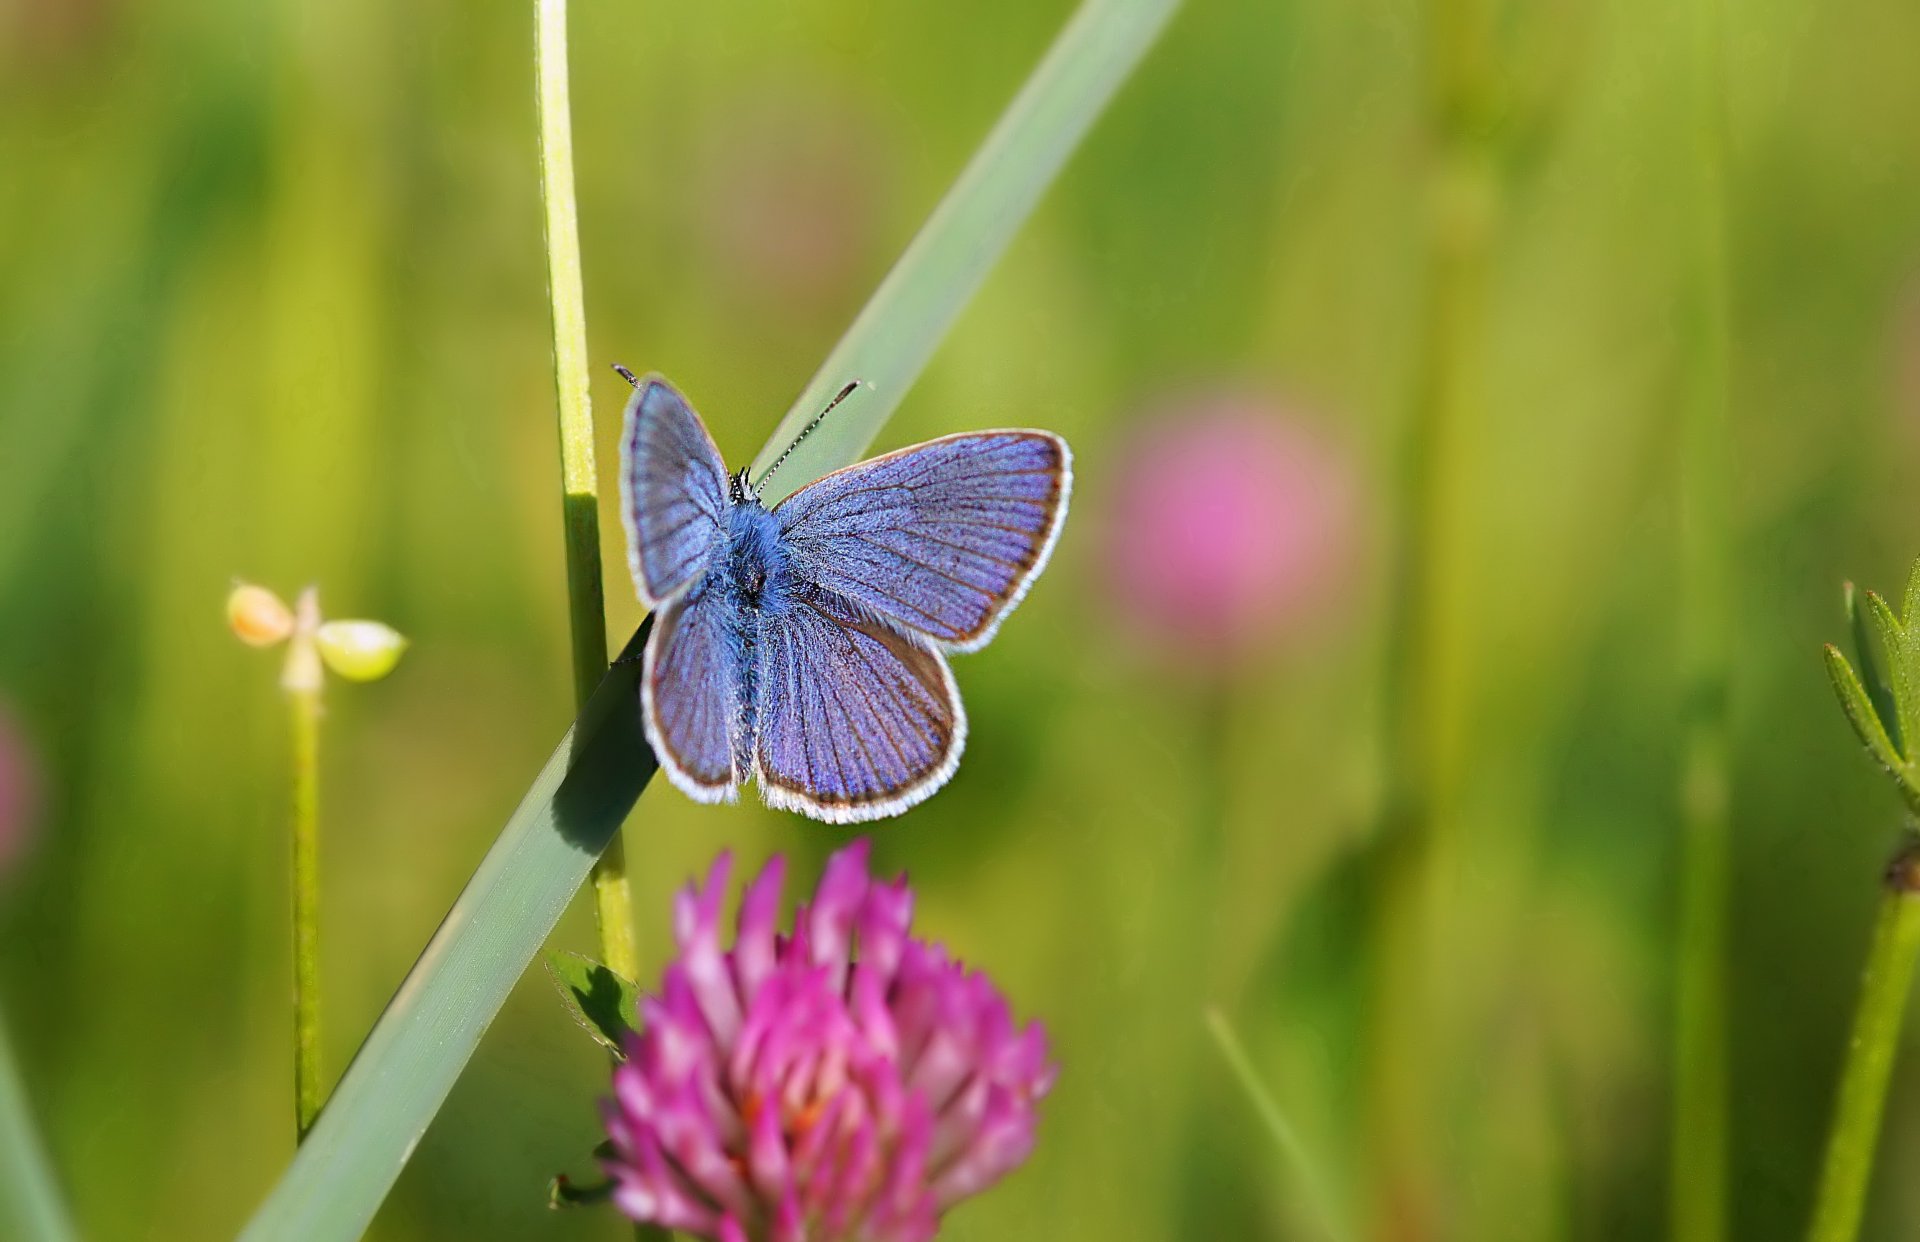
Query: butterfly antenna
[626, 375]
[808, 430]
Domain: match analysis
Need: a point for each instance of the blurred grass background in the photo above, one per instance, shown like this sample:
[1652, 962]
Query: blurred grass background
[272, 305]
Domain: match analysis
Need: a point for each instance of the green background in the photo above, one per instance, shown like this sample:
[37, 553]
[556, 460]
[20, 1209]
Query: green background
[272, 304]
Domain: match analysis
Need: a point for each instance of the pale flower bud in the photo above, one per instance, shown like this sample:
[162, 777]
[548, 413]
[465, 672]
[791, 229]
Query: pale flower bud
[360, 650]
[257, 616]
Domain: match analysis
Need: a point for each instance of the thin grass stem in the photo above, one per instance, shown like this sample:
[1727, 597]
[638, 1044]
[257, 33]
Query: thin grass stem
[1697, 1183]
[302, 680]
[1862, 1099]
[1421, 710]
[1300, 1167]
[579, 478]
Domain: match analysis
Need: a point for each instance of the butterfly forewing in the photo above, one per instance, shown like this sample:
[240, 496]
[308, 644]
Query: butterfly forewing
[855, 720]
[691, 693]
[673, 489]
[942, 538]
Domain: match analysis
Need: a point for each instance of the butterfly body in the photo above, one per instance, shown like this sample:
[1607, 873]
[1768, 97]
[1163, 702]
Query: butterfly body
[801, 646]
[756, 556]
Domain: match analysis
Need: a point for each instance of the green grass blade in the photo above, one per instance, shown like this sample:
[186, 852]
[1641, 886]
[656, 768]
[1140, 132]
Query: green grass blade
[1877, 634]
[31, 1208]
[418, 1047]
[1299, 1164]
[896, 333]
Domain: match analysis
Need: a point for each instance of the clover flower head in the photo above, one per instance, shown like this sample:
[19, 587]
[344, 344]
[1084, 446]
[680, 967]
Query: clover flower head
[844, 1082]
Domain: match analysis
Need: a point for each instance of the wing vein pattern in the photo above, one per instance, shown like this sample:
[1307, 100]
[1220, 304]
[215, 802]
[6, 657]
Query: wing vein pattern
[942, 538]
[855, 718]
[673, 492]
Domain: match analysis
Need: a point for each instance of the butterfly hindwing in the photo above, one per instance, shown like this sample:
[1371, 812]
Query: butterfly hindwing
[691, 688]
[854, 719]
[942, 538]
[673, 491]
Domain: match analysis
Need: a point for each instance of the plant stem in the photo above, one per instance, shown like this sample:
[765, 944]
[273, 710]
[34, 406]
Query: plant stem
[579, 481]
[1293, 1152]
[1697, 1188]
[302, 681]
[30, 1203]
[579, 478]
[1421, 715]
[1876, 1035]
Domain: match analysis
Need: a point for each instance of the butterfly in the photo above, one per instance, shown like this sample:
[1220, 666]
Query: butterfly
[804, 646]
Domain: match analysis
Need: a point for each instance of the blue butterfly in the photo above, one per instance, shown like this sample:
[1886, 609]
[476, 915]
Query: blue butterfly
[802, 645]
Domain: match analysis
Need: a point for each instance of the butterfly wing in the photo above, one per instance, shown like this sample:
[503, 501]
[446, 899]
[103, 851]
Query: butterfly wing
[690, 693]
[943, 538]
[854, 719]
[673, 491]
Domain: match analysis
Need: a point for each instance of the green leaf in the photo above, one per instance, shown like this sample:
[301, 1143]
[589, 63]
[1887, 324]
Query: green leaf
[1905, 661]
[600, 1000]
[421, 1042]
[1910, 607]
[1875, 626]
[562, 1193]
[1859, 710]
[30, 1202]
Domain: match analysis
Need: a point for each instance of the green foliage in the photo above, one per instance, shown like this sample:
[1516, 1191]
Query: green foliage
[603, 1003]
[1875, 629]
[1883, 712]
[562, 1192]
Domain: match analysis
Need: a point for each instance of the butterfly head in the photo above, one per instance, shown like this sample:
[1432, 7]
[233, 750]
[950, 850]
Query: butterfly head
[740, 491]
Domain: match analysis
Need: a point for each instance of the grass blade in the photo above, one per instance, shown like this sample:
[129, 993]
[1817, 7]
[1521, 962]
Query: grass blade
[579, 477]
[897, 331]
[417, 1049]
[31, 1208]
[1300, 1166]
[1698, 1196]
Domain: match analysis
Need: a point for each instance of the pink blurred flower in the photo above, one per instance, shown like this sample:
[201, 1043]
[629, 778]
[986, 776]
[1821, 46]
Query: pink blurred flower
[19, 793]
[844, 1082]
[1232, 524]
